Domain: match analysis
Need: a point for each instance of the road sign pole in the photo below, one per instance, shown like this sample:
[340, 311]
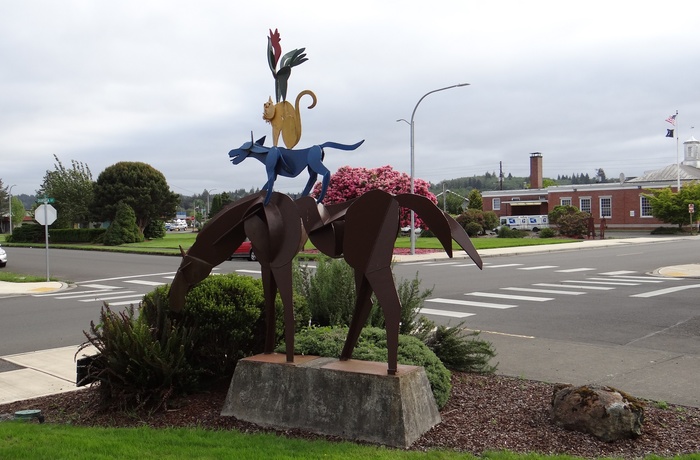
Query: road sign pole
[46, 237]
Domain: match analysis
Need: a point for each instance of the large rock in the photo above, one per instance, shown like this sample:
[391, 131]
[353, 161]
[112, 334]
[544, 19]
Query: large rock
[604, 412]
[354, 400]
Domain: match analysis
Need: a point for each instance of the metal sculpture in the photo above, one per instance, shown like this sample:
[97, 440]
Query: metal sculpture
[279, 161]
[276, 233]
[363, 231]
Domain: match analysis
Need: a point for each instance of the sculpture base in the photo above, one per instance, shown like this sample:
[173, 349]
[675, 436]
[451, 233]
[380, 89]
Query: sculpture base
[355, 400]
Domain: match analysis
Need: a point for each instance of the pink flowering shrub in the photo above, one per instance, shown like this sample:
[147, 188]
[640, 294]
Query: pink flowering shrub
[348, 183]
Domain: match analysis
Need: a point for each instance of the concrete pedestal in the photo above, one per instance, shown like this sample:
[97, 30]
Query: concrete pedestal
[355, 400]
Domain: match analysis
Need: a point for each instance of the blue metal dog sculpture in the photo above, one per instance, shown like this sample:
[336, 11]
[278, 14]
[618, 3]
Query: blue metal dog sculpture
[280, 161]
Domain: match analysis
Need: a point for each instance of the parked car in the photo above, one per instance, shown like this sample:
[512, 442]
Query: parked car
[244, 250]
[3, 257]
[176, 225]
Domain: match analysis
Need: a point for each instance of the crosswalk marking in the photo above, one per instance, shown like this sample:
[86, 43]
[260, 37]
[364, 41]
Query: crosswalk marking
[109, 298]
[604, 281]
[423, 262]
[471, 264]
[98, 286]
[469, 303]
[666, 291]
[543, 291]
[249, 271]
[631, 280]
[620, 272]
[452, 314]
[573, 270]
[146, 282]
[503, 265]
[640, 278]
[439, 264]
[127, 302]
[540, 267]
[573, 286]
[496, 295]
[92, 294]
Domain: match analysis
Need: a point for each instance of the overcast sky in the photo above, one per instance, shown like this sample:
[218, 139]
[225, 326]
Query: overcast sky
[177, 84]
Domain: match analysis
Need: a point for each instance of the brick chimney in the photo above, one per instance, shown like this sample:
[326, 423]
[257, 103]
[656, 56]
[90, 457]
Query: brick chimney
[536, 170]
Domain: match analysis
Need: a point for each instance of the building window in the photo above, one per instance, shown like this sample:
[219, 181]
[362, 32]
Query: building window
[496, 204]
[584, 204]
[645, 206]
[605, 207]
[565, 201]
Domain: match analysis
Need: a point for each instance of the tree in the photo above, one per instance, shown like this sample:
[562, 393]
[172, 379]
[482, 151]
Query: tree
[569, 220]
[71, 188]
[123, 228]
[475, 200]
[18, 211]
[218, 202]
[600, 175]
[348, 183]
[671, 207]
[138, 185]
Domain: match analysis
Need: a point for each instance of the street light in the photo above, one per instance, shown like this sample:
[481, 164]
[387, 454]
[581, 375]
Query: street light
[9, 201]
[208, 208]
[413, 125]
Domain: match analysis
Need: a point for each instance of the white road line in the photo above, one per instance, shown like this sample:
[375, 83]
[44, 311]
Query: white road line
[417, 263]
[170, 277]
[541, 267]
[146, 282]
[440, 264]
[573, 270]
[99, 286]
[620, 272]
[108, 298]
[631, 280]
[92, 294]
[249, 271]
[63, 293]
[468, 265]
[495, 295]
[503, 265]
[125, 302]
[451, 314]
[469, 303]
[666, 291]
[637, 278]
[612, 283]
[594, 288]
[543, 291]
[129, 277]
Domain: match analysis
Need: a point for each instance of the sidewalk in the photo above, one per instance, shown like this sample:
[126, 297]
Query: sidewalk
[644, 373]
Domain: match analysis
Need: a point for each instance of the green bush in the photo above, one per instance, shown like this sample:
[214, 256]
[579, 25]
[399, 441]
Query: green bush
[139, 364]
[371, 346]
[507, 232]
[666, 231]
[547, 233]
[27, 233]
[154, 230]
[461, 351]
[76, 235]
[411, 298]
[473, 229]
[123, 228]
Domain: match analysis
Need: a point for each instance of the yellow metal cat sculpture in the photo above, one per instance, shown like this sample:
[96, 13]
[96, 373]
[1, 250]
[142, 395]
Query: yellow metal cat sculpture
[286, 119]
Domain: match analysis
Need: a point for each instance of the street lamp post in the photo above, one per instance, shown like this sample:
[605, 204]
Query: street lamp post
[9, 207]
[413, 125]
[208, 208]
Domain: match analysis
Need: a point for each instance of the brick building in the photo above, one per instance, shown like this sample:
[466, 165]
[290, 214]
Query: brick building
[621, 203]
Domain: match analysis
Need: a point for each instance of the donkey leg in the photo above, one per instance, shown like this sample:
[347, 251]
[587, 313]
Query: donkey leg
[270, 292]
[382, 283]
[283, 279]
[363, 306]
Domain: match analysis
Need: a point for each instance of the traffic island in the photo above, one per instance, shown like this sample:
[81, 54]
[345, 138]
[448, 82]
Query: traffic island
[354, 400]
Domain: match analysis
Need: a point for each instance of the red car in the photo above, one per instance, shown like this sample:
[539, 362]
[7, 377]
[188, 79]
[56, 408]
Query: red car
[244, 250]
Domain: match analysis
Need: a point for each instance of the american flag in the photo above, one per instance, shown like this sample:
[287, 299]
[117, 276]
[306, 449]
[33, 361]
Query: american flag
[672, 120]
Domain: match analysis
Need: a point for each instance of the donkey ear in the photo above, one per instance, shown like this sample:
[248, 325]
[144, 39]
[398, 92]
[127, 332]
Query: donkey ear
[260, 141]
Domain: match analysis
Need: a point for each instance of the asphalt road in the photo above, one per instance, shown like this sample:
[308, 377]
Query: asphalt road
[596, 296]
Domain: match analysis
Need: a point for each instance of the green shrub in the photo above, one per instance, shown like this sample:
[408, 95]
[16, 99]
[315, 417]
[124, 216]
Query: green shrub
[75, 235]
[329, 290]
[666, 231]
[139, 364]
[411, 298]
[27, 233]
[154, 230]
[371, 346]
[473, 229]
[547, 233]
[507, 232]
[461, 351]
[123, 228]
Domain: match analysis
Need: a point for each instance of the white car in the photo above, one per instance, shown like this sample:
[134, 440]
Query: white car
[3, 257]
